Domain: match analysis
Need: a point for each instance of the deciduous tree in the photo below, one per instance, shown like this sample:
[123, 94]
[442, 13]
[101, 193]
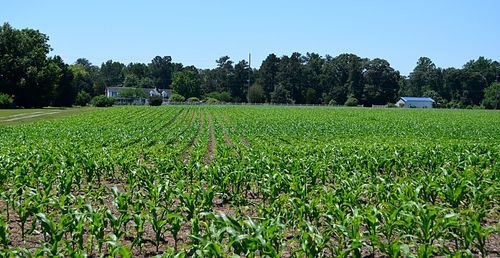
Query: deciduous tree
[186, 83]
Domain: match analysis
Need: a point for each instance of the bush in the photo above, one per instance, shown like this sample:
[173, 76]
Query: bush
[176, 98]
[256, 94]
[490, 100]
[6, 101]
[391, 105]
[212, 101]
[82, 99]
[155, 100]
[102, 101]
[455, 104]
[332, 103]
[310, 96]
[193, 99]
[280, 95]
[351, 102]
[221, 96]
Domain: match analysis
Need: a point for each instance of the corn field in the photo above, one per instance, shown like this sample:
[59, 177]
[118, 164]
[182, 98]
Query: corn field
[252, 181]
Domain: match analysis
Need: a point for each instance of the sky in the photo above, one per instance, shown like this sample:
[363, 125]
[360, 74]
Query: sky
[199, 32]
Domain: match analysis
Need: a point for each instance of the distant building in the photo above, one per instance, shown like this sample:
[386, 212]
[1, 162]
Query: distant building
[136, 96]
[415, 102]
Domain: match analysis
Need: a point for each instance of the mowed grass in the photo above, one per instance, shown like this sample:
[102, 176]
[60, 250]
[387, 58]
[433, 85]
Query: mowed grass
[21, 116]
[252, 181]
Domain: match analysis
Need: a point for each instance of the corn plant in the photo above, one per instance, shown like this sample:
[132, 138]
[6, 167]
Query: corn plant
[158, 221]
[4, 233]
[98, 224]
[175, 220]
[253, 181]
[54, 230]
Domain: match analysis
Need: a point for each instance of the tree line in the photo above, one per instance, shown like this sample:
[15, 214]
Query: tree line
[29, 77]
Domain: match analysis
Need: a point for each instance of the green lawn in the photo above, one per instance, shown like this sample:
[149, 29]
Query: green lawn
[20, 116]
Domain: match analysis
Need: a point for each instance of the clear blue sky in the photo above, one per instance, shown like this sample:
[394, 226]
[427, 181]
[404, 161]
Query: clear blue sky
[198, 32]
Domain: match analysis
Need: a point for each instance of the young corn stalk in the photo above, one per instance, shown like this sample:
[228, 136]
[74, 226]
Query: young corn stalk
[4, 233]
[175, 220]
[158, 221]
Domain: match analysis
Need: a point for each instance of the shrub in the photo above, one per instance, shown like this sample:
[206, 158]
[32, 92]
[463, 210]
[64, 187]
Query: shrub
[176, 98]
[193, 99]
[102, 101]
[256, 94]
[491, 100]
[391, 105]
[82, 99]
[332, 103]
[351, 102]
[280, 95]
[225, 96]
[212, 101]
[221, 96]
[155, 100]
[455, 104]
[6, 101]
[310, 96]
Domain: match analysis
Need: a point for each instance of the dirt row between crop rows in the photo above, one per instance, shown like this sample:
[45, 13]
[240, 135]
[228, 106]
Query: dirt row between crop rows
[211, 147]
[186, 153]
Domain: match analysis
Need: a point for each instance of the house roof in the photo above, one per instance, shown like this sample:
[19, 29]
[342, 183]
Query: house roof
[421, 99]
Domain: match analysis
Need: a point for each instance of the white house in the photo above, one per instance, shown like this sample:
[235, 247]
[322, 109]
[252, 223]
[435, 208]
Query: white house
[137, 98]
[415, 102]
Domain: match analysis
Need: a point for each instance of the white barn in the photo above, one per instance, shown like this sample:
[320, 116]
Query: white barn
[415, 102]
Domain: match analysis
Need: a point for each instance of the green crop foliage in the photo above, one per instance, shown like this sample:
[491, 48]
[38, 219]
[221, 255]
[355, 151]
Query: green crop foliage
[253, 181]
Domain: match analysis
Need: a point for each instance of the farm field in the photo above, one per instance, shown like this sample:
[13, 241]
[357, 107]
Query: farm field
[255, 181]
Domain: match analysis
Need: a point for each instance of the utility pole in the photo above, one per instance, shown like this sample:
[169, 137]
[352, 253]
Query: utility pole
[249, 73]
[497, 91]
[249, 68]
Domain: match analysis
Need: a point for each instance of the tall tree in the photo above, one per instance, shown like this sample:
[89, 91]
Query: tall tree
[25, 71]
[329, 79]
[87, 77]
[224, 74]
[453, 86]
[186, 83]
[240, 84]
[64, 91]
[140, 70]
[486, 67]
[208, 81]
[492, 96]
[84, 62]
[473, 86]
[425, 76]
[290, 76]
[312, 71]
[343, 77]
[112, 73]
[161, 69]
[268, 75]
[381, 83]
[280, 94]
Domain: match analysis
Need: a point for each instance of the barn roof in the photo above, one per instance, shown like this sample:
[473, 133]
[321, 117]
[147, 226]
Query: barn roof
[417, 99]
